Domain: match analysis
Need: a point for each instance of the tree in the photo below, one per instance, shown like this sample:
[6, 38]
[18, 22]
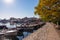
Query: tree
[48, 10]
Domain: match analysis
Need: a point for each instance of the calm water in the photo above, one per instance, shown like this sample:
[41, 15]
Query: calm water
[8, 25]
[23, 34]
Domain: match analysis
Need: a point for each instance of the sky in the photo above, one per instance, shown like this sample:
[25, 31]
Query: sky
[17, 8]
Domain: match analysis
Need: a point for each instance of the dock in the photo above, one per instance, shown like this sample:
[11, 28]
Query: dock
[30, 26]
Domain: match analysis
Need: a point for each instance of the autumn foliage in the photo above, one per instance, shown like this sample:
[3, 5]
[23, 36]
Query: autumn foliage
[48, 10]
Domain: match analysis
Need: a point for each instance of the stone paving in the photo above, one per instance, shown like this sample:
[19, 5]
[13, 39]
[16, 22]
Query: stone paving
[47, 32]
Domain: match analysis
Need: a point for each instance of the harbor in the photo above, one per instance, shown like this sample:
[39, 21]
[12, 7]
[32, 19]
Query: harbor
[29, 19]
[19, 31]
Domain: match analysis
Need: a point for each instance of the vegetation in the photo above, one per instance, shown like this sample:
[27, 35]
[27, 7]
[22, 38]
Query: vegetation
[48, 10]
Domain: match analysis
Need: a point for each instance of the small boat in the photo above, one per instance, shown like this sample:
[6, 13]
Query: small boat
[11, 32]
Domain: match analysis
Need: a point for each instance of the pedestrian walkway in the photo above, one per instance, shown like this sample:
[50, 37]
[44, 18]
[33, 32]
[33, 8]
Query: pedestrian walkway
[47, 32]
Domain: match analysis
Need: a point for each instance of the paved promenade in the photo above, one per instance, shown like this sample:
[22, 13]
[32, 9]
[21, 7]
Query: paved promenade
[47, 32]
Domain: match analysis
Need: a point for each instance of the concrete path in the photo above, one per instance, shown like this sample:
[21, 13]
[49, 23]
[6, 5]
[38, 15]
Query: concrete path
[47, 32]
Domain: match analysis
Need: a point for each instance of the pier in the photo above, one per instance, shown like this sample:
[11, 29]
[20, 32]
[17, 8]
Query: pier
[30, 26]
